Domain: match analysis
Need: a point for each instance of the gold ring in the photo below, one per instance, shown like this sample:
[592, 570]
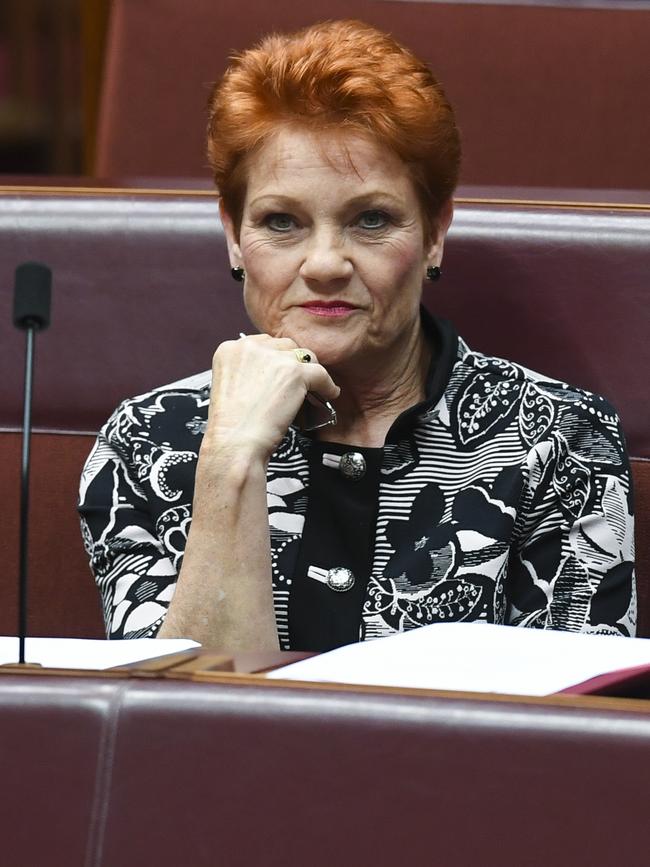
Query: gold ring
[302, 355]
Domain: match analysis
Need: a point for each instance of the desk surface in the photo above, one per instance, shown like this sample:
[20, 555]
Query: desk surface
[232, 769]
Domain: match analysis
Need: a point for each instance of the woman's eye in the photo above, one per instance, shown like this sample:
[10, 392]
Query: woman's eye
[279, 222]
[373, 220]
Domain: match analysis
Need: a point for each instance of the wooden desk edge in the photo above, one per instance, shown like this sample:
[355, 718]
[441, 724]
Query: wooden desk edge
[230, 678]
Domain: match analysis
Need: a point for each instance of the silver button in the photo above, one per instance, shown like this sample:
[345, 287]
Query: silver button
[353, 466]
[340, 579]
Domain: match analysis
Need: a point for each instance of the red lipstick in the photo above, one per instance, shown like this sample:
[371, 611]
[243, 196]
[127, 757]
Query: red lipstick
[329, 308]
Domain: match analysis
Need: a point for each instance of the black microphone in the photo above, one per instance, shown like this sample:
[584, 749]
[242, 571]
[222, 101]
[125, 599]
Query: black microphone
[32, 296]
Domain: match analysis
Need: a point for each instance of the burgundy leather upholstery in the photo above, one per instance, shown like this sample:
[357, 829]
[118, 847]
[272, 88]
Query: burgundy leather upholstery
[641, 479]
[63, 599]
[174, 773]
[549, 94]
[53, 735]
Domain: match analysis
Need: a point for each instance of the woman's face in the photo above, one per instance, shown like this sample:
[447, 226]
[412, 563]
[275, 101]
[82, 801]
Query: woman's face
[333, 245]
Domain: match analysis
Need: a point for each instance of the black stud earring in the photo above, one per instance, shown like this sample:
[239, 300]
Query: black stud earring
[238, 274]
[433, 273]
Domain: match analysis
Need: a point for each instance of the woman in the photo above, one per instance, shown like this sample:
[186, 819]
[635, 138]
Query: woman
[447, 485]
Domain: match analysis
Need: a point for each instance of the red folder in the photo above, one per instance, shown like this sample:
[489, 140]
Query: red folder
[624, 683]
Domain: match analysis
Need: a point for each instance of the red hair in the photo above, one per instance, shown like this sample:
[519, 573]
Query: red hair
[344, 76]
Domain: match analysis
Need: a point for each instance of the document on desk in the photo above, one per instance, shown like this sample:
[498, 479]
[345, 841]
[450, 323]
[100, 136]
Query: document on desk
[474, 657]
[91, 654]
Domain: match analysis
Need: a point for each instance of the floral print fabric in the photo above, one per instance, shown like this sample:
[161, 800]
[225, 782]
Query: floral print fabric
[508, 500]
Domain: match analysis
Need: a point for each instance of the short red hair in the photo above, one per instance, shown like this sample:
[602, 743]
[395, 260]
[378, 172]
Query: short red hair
[339, 75]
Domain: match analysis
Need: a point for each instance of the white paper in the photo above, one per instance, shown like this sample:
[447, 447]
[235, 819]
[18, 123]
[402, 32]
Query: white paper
[474, 657]
[92, 654]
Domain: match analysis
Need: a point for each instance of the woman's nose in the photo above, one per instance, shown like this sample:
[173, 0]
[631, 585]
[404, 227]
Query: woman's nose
[325, 258]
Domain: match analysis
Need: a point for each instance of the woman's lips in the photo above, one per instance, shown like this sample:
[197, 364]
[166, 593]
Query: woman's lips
[329, 308]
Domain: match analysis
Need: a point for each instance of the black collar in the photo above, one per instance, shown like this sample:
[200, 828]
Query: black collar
[443, 339]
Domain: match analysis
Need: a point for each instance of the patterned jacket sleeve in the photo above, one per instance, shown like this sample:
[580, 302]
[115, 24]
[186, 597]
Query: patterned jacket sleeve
[134, 573]
[573, 565]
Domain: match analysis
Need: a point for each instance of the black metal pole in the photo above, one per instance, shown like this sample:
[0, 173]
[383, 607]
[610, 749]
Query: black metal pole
[24, 493]
[32, 296]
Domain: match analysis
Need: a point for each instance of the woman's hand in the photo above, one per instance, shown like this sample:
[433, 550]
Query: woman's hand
[258, 386]
[224, 595]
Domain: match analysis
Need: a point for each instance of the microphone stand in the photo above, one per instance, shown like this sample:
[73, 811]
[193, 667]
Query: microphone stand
[24, 490]
[32, 298]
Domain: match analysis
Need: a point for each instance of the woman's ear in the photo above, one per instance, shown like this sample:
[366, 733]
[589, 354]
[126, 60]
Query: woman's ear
[439, 228]
[232, 240]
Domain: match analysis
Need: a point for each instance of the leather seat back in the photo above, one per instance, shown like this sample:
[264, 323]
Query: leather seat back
[546, 94]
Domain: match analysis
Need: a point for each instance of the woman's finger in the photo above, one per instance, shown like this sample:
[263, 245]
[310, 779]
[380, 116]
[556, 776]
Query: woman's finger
[318, 380]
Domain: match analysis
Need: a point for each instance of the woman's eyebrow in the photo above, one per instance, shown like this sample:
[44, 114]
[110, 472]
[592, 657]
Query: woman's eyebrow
[370, 197]
[373, 197]
[276, 198]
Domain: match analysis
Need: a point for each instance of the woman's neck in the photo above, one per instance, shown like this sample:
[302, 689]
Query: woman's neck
[371, 399]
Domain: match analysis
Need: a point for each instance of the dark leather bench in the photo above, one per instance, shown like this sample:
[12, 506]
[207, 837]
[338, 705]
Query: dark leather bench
[143, 294]
[547, 94]
[117, 773]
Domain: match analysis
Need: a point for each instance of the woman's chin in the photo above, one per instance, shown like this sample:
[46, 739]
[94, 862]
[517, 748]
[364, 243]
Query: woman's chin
[331, 356]
[330, 347]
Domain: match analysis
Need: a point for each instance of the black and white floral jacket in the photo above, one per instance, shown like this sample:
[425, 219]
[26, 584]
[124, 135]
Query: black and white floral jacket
[504, 497]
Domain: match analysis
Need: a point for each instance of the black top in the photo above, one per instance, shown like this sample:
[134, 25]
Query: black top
[339, 531]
